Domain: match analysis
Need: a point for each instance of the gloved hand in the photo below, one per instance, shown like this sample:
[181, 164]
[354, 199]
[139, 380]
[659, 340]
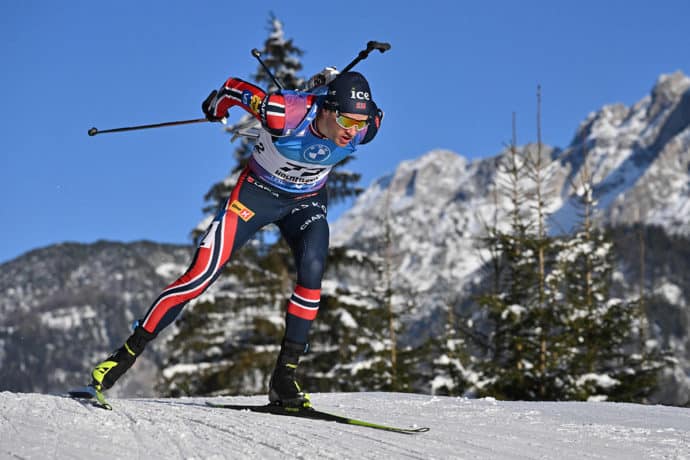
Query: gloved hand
[208, 107]
[322, 78]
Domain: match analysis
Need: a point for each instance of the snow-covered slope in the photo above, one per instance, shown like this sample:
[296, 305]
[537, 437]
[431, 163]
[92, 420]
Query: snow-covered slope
[35, 426]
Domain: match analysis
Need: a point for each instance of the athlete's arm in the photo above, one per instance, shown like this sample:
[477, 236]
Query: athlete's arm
[273, 110]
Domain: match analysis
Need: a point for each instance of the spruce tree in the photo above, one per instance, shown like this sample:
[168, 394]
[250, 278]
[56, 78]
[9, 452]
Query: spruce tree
[510, 349]
[610, 358]
[450, 368]
[548, 372]
[554, 329]
[520, 334]
[352, 345]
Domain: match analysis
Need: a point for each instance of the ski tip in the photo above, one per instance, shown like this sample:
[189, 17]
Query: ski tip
[90, 393]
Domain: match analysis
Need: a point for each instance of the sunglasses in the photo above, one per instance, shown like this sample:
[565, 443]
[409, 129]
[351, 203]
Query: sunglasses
[347, 122]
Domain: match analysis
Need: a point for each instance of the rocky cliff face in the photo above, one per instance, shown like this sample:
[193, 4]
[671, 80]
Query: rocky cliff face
[639, 157]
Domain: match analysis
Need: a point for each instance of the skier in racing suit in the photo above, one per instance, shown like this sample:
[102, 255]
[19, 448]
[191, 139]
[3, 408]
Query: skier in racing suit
[303, 136]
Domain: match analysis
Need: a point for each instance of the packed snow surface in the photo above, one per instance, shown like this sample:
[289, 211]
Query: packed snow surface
[36, 426]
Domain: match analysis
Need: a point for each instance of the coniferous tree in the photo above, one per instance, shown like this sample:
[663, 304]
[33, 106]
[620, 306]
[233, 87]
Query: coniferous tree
[346, 341]
[226, 341]
[522, 315]
[449, 357]
[610, 357]
[548, 310]
[509, 348]
[555, 331]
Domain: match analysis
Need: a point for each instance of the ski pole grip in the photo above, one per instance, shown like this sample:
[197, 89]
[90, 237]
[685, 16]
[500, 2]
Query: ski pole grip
[381, 46]
[371, 46]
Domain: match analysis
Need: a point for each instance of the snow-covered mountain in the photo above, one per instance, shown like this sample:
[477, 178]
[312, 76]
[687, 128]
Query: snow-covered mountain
[638, 157]
[64, 307]
[459, 429]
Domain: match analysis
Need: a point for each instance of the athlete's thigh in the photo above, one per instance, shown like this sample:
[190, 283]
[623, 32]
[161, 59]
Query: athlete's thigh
[306, 231]
[246, 211]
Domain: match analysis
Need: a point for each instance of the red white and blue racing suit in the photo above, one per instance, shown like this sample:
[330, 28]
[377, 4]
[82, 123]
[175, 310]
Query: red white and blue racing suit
[282, 184]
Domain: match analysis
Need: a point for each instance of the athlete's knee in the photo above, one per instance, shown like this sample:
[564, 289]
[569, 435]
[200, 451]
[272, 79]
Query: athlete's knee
[316, 265]
[311, 269]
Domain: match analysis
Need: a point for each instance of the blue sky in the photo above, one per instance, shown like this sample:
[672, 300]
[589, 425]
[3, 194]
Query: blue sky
[456, 72]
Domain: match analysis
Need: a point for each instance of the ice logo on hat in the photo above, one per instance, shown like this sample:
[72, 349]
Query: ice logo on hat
[360, 97]
[354, 94]
[317, 153]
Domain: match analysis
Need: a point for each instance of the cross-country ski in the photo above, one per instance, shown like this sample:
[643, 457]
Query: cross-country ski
[314, 414]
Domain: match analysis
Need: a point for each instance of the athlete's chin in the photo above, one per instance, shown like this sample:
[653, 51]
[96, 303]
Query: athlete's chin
[343, 141]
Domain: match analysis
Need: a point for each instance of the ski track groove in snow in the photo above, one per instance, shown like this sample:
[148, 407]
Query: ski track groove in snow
[244, 437]
[223, 441]
[133, 426]
[34, 426]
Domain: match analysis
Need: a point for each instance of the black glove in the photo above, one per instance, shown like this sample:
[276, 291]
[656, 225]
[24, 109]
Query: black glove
[207, 107]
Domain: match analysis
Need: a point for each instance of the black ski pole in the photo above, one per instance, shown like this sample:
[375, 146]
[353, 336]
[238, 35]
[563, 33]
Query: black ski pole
[257, 54]
[94, 131]
[371, 46]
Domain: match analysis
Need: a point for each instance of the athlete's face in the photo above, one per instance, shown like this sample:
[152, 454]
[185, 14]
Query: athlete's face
[335, 124]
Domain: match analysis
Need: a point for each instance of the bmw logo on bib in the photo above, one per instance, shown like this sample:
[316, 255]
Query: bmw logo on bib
[317, 153]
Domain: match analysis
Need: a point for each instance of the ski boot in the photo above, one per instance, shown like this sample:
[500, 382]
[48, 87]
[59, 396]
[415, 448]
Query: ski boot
[106, 373]
[283, 389]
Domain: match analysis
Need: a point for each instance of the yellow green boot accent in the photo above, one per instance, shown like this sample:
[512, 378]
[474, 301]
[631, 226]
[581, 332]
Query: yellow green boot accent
[284, 390]
[106, 373]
